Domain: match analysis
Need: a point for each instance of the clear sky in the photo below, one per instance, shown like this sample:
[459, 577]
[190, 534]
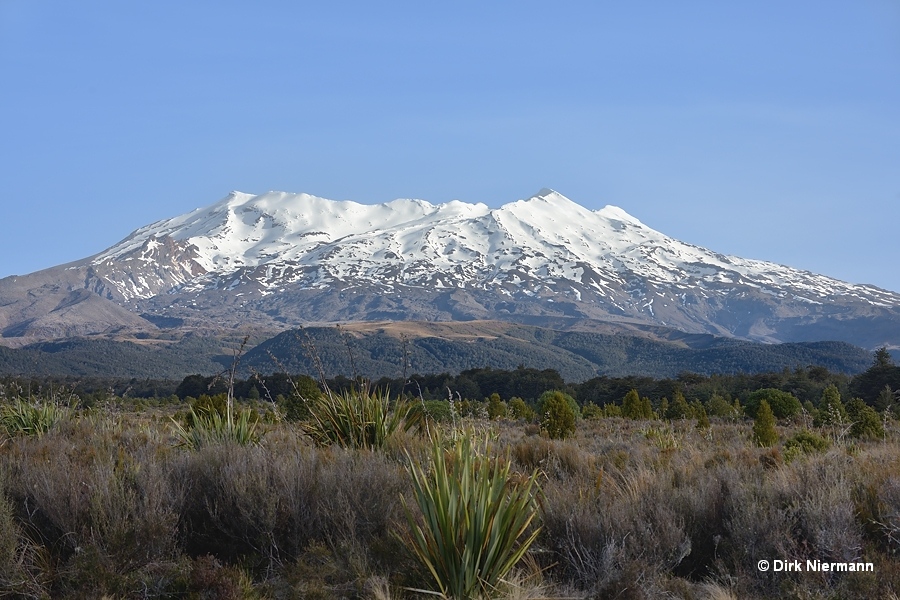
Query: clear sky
[765, 129]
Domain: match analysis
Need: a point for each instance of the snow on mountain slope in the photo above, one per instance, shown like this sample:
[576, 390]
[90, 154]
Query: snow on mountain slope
[546, 242]
[280, 260]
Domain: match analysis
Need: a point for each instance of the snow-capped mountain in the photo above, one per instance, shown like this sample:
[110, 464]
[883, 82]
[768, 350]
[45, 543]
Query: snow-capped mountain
[281, 259]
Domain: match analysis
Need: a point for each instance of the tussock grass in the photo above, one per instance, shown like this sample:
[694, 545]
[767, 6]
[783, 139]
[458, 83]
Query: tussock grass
[105, 505]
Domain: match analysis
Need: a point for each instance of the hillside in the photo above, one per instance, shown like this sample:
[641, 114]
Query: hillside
[374, 352]
[278, 261]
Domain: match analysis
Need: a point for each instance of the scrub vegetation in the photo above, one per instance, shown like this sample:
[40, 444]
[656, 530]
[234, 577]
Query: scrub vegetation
[549, 494]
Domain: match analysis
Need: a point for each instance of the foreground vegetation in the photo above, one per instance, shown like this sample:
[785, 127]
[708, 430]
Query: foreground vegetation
[366, 494]
[112, 504]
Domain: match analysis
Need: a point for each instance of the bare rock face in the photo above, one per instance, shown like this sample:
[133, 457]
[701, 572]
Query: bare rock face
[281, 260]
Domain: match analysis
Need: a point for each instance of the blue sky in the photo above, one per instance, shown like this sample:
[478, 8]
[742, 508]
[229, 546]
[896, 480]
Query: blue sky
[764, 129]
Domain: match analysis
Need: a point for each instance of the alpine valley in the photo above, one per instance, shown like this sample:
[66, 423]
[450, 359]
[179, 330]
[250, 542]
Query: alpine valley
[268, 263]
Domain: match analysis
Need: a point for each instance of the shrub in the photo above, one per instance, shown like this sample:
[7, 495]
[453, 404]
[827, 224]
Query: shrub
[717, 406]
[476, 522]
[866, 422]
[496, 408]
[831, 412]
[804, 442]
[782, 404]
[702, 419]
[631, 405]
[24, 418]
[557, 416]
[519, 410]
[764, 432]
[212, 427]
[438, 410]
[678, 408]
[295, 406]
[591, 411]
[612, 410]
[576, 410]
[273, 501]
[359, 419]
[206, 404]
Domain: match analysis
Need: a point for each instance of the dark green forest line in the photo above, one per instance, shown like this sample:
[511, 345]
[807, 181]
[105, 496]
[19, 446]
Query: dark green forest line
[576, 356]
[876, 385]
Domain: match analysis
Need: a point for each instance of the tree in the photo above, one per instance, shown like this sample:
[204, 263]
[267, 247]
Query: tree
[782, 404]
[679, 408]
[296, 404]
[576, 410]
[557, 416]
[883, 372]
[703, 420]
[883, 358]
[866, 422]
[519, 410]
[718, 406]
[764, 432]
[647, 408]
[631, 405]
[886, 398]
[496, 407]
[831, 410]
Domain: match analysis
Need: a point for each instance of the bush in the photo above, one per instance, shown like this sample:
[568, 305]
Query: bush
[764, 432]
[475, 524]
[295, 406]
[212, 427]
[557, 416]
[717, 406]
[24, 418]
[360, 419]
[866, 422]
[576, 410]
[804, 442]
[678, 408]
[496, 407]
[782, 404]
[831, 412]
[591, 411]
[438, 410]
[519, 410]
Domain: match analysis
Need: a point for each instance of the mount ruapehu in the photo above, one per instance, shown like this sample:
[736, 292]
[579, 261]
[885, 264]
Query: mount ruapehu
[276, 261]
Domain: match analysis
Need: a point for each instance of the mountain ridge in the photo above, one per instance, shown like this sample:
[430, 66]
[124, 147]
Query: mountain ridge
[279, 260]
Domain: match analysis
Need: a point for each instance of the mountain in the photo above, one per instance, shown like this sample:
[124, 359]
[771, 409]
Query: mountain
[278, 260]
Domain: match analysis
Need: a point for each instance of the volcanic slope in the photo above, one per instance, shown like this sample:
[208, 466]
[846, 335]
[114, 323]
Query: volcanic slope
[279, 260]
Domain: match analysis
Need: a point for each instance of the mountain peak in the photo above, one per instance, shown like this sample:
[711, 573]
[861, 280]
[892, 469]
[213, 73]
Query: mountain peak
[551, 196]
[288, 259]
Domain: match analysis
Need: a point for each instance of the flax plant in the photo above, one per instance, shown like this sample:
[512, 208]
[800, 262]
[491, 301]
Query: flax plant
[476, 518]
[358, 419]
[211, 427]
[24, 418]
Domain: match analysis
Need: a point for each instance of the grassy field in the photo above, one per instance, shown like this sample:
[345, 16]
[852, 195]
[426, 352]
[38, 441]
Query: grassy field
[112, 503]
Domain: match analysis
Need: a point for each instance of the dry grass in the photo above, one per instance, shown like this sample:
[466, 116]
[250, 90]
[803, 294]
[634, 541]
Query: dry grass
[106, 504]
